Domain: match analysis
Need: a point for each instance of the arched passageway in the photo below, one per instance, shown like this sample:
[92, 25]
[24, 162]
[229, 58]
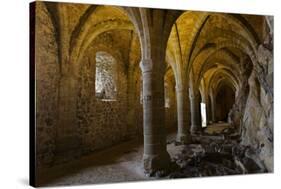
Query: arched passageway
[109, 74]
[225, 99]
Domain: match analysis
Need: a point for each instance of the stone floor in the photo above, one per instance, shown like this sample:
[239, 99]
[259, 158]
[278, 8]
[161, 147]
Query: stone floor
[119, 163]
[116, 164]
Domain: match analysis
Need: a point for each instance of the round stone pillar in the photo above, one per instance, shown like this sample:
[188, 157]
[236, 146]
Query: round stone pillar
[155, 155]
[213, 106]
[195, 117]
[183, 134]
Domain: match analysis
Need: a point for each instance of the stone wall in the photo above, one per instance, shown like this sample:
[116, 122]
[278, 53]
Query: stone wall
[258, 118]
[136, 117]
[47, 79]
[102, 122]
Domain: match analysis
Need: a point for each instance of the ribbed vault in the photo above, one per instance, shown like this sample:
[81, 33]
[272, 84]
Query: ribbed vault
[167, 63]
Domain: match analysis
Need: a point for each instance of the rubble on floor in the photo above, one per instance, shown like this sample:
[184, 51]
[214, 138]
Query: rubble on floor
[212, 158]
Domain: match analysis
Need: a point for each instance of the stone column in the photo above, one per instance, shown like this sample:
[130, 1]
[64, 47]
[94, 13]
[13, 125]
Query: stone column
[183, 134]
[155, 155]
[208, 111]
[213, 106]
[195, 117]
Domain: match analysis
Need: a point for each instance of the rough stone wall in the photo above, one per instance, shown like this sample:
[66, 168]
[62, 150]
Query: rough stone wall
[258, 118]
[85, 105]
[102, 122]
[236, 113]
[135, 104]
[99, 123]
[47, 79]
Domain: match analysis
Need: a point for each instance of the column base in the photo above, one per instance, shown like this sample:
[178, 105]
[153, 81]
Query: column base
[196, 130]
[154, 163]
[183, 138]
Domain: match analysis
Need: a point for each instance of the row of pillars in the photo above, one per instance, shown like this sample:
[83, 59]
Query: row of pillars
[155, 155]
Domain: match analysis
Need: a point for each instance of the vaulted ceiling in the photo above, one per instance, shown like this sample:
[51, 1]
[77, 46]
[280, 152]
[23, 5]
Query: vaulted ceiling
[201, 44]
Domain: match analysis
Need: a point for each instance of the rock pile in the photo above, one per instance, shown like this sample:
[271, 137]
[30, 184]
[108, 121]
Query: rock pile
[212, 159]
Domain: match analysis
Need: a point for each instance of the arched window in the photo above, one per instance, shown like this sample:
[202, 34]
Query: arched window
[106, 76]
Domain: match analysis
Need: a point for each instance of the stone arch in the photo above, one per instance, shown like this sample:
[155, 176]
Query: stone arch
[237, 40]
[100, 28]
[223, 75]
[220, 59]
[237, 20]
[217, 34]
[221, 82]
[218, 44]
[209, 51]
[195, 35]
[247, 30]
[89, 29]
[225, 99]
[81, 26]
[234, 19]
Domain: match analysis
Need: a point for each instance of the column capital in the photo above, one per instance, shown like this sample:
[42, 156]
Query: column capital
[191, 94]
[179, 88]
[146, 65]
[194, 94]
